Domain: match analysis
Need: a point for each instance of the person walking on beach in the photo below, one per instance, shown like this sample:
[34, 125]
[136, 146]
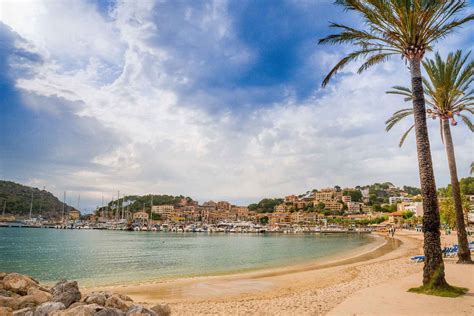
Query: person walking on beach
[393, 232]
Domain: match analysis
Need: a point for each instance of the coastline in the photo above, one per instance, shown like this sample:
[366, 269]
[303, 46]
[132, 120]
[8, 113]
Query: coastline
[273, 290]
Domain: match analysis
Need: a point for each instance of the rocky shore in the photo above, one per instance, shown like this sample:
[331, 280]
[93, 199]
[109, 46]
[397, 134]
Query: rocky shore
[21, 295]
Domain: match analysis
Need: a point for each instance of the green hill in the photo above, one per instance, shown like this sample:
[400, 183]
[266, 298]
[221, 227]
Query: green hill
[18, 199]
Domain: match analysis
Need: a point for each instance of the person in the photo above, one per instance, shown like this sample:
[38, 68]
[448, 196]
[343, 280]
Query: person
[393, 232]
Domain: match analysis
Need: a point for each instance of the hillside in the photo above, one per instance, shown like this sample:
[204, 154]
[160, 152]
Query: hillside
[18, 199]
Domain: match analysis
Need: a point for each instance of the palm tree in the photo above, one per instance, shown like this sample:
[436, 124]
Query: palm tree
[448, 94]
[407, 28]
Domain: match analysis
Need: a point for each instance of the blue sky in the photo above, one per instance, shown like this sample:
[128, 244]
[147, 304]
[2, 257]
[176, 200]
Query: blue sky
[212, 99]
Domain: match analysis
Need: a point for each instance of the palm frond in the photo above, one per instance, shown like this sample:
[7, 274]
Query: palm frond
[468, 122]
[404, 136]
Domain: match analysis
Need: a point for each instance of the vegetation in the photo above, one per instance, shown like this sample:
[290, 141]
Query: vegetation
[265, 205]
[447, 94]
[356, 195]
[139, 203]
[18, 200]
[407, 29]
[443, 291]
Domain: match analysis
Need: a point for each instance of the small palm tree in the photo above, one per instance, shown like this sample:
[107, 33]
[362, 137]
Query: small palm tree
[448, 95]
[406, 28]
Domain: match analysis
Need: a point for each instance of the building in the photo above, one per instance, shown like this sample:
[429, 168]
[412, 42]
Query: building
[164, 210]
[324, 195]
[74, 215]
[415, 207]
[280, 207]
[223, 205]
[354, 207]
[346, 199]
[397, 199]
[333, 205]
[140, 216]
[291, 199]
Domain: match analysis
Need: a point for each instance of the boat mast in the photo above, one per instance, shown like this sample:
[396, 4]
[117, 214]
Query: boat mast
[4, 207]
[64, 205]
[31, 203]
[117, 206]
[41, 201]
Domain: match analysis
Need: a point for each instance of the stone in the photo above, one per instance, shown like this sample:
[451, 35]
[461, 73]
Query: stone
[123, 297]
[115, 301]
[139, 310]
[162, 310]
[66, 292]
[7, 301]
[19, 283]
[96, 298]
[40, 296]
[109, 311]
[3, 275]
[76, 304]
[7, 293]
[24, 302]
[28, 311]
[6, 311]
[46, 308]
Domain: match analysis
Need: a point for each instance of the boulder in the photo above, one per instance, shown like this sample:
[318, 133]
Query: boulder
[7, 293]
[96, 298]
[28, 311]
[40, 295]
[115, 301]
[123, 297]
[6, 301]
[139, 310]
[24, 302]
[6, 311]
[46, 308]
[19, 283]
[2, 275]
[76, 304]
[88, 310]
[109, 311]
[66, 292]
[162, 310]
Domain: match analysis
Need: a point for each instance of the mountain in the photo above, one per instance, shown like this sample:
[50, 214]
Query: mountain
[18, 199]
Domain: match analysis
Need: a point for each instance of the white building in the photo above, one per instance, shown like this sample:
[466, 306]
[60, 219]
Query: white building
[415, 207]
[397, 199]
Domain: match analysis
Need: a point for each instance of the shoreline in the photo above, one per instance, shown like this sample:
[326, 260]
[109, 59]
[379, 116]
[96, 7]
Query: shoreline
[244, 285]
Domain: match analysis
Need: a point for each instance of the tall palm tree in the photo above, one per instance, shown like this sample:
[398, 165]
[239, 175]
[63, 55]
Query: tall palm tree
[407, 28]
[448, 94]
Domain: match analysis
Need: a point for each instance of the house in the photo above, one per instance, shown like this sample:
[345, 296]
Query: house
[415, 207]
[140, 216]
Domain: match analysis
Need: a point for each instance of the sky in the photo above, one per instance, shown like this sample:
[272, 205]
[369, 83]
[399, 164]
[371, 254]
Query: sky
[216, 100]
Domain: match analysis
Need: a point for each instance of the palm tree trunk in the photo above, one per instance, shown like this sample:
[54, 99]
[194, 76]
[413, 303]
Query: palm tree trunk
[433, 270]
[464, 254]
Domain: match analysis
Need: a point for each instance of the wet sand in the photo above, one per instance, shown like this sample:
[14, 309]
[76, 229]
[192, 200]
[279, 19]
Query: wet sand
[314, 287]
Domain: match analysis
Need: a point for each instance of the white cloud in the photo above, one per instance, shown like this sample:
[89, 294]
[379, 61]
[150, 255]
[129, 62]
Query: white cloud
[120, 72]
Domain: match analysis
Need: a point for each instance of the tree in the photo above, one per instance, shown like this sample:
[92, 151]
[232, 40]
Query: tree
[448, 210]
[408, 29]
[447, 94]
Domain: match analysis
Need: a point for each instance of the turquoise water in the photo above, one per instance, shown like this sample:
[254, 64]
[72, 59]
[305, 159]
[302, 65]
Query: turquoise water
[97, 257]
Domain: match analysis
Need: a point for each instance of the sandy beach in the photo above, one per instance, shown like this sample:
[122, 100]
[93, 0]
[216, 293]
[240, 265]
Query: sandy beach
[316, 288]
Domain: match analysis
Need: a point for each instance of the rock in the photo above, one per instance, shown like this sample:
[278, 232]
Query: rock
[28, 311]
[123, 297]
[3, 275]
[46, 308]
[109, 311]
[96, 298]
[6, 301]
[89, 310]
[40, 296]
[6, 311]
[115, 301]
[7, 293]
[76, 304]
[162, 310]
[24, 302]
[66, 292]
[19, 283]
[138, 310]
